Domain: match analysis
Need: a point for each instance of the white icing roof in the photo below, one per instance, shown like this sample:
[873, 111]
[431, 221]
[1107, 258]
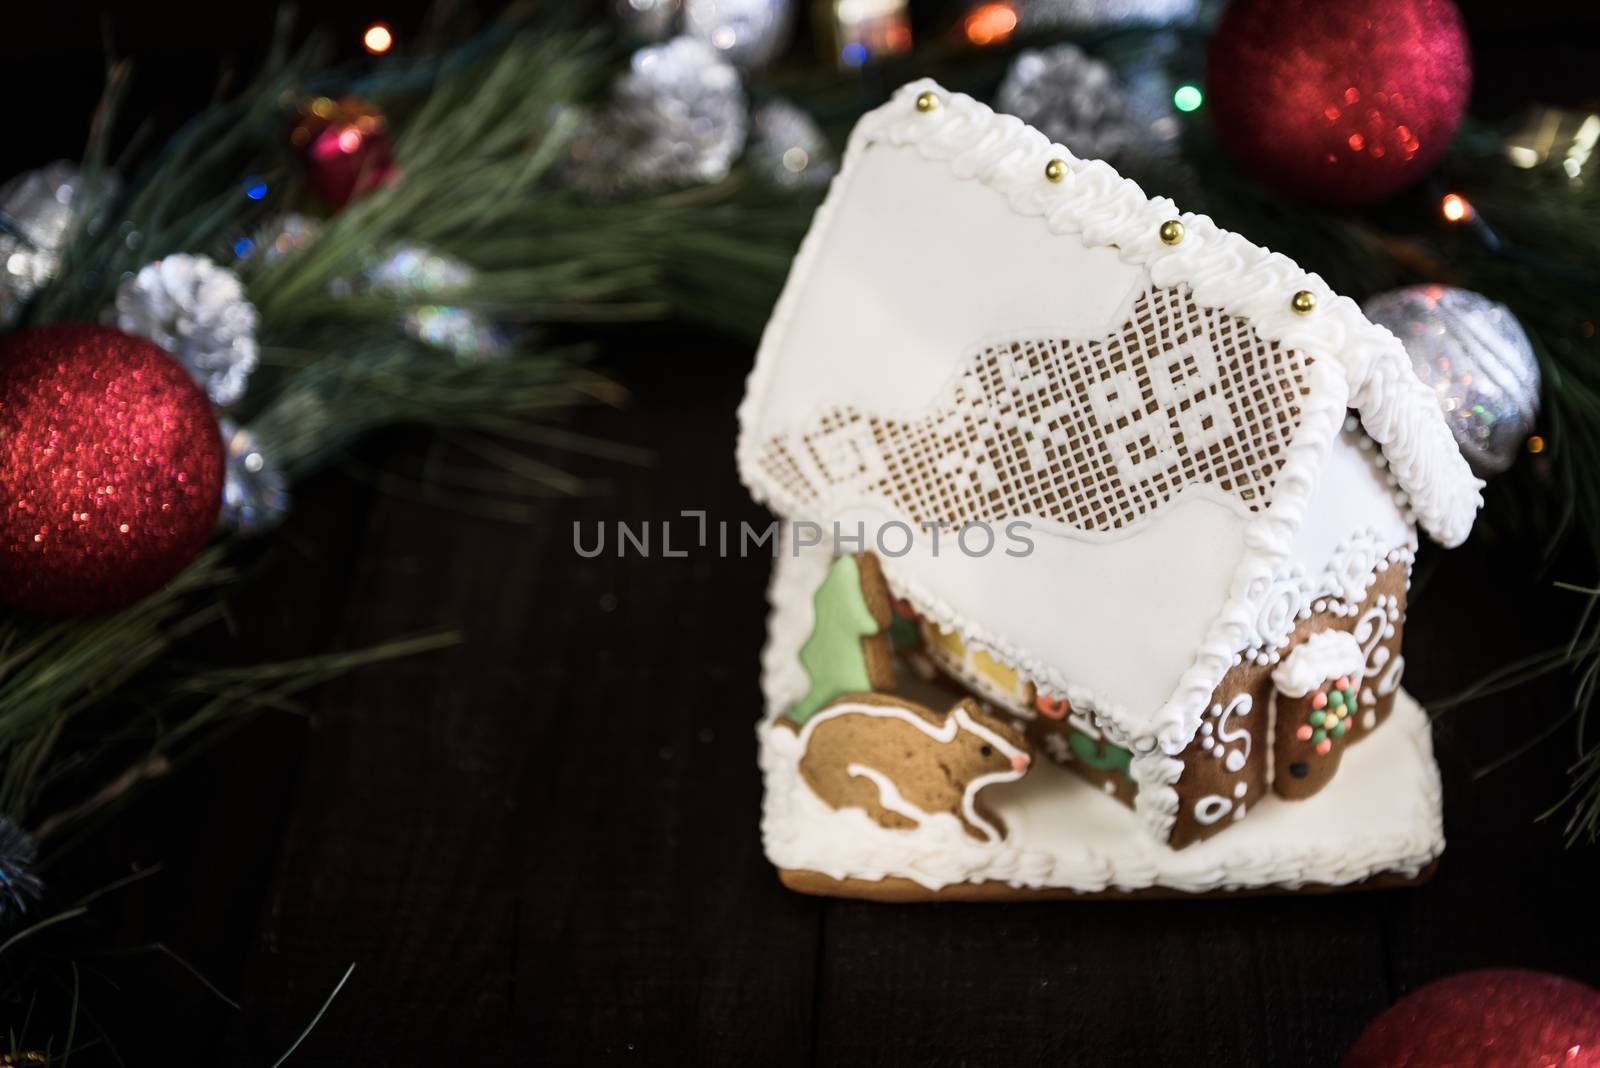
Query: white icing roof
[941, 236]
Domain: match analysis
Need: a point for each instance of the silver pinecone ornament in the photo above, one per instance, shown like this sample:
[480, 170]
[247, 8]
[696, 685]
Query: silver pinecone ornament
[677, 117]
[38, 209]
[1075, 99]
[1475, 356]
[197, 311]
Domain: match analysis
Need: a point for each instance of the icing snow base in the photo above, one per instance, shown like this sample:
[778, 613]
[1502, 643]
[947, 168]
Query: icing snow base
[1381, 813]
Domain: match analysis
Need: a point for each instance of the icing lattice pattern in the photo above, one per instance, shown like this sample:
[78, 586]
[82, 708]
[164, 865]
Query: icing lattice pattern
[1096, 435]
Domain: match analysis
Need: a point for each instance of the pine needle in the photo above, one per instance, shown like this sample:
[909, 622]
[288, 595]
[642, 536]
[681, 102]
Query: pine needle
[34, 928]
[317, 1018]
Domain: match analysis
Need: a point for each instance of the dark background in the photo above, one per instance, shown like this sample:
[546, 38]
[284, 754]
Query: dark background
[541, 845]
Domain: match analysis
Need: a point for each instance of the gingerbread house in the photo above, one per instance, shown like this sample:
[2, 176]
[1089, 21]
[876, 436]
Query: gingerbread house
[1144, 491]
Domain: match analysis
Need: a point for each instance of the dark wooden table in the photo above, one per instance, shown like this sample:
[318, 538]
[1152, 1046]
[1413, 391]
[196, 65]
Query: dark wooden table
[541, 845]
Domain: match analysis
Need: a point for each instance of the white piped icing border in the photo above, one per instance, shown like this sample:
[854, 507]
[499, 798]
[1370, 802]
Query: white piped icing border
[1355, 363]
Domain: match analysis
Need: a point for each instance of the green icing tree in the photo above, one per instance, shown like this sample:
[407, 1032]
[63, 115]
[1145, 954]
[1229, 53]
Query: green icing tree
[834, 656]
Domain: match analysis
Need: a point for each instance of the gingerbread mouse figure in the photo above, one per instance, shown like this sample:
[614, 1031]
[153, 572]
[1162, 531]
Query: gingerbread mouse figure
[901, 762]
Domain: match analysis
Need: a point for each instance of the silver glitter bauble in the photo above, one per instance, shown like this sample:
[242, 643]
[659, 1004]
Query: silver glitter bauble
[255, 493]
[1035, 15]
[677, 117]
[749, 32]
[787, 149]
[1475, 356]
[1074, 99]
[420, 272]
[464, 333]
[197, 311]
[406, 269]
[647, 21]
[286, 233]
[38, 210]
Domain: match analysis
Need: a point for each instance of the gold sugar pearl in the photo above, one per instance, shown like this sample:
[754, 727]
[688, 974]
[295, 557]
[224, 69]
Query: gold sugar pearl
[1055, 170]
[1171, 232]
[1303, 302]
[928, 101]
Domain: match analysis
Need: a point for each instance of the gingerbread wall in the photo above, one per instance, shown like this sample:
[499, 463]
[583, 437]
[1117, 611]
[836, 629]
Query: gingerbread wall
[1238, 751]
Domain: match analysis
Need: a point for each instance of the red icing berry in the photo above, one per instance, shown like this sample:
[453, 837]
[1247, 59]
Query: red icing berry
[1052, 707]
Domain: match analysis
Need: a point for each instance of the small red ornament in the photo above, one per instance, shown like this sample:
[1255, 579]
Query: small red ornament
[112, 469]
[345, 148]
[1343, 102]
[1487, 1019]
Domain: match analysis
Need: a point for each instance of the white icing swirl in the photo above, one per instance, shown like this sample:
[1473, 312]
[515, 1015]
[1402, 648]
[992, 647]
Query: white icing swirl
[1351, 568]
[1278, 610]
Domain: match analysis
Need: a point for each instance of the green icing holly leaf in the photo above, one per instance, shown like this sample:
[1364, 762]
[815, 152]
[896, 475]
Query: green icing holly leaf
[1105, 757]
[832, 656]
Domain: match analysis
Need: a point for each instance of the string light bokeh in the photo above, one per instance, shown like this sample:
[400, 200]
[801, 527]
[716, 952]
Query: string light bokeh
[378, 39]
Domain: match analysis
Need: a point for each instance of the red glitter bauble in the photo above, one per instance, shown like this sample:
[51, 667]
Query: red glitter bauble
[111, 467]
[1488, 1019]
[345, 148]
[1338, 101]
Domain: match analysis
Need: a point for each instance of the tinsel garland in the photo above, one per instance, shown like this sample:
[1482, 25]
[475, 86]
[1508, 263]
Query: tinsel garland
[19, 885]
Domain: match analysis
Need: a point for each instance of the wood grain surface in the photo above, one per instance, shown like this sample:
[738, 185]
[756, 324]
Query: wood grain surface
[541, 845]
